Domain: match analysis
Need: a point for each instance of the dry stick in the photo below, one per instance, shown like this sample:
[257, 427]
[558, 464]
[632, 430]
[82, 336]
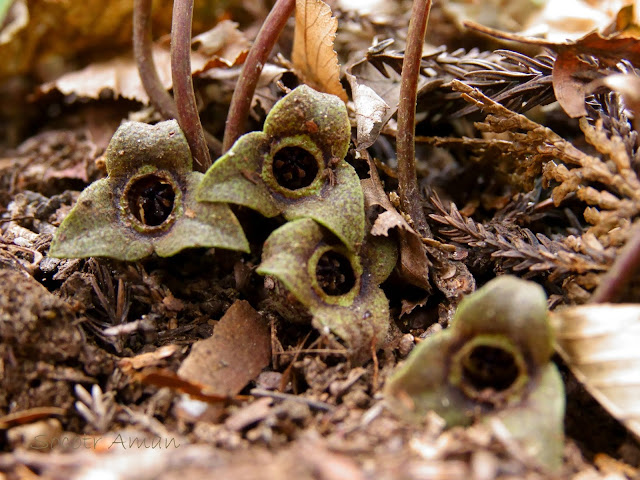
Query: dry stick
[142, 49]
[185, 98]
[622, 270]
[250, 74]
[410, 198]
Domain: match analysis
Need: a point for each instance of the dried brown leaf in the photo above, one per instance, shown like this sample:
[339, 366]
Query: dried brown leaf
[118, 75]
[238, 350]
[224, 44]
[414, 264]
[221, 47]
[600, 345]
[313, 56]
[568, 69]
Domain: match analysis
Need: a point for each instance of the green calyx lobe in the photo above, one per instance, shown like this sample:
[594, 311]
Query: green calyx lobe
[338, 287]
[295, 167]
[492, 363]
[146, 204]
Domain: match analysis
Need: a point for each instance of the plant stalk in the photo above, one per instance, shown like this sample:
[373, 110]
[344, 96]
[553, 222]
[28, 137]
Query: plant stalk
[252, 68]
[142, 51]
[410, 198]
[185, 99]
[621, 272]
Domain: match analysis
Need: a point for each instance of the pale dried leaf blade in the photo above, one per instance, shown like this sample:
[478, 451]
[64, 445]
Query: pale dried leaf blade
[600, 345]
[371, 113]
[120, 76]
[313, 55]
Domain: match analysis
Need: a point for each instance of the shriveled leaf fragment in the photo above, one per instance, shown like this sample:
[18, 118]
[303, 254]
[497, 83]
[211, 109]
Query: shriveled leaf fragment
[491, 364]
[569, 68]
[313, 55]
[371, 112]
[224, 45]
[120, 76]
[235, 354]
[414, 264]
[376, 89]
[147, 203]
[41, 31]
[295, 167]
[600, 345]
[338, 288]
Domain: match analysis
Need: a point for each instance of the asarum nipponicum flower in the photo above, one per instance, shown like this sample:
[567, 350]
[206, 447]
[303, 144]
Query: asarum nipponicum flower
[318, 279]
[492, 364]
[147, 202]
[295, 167]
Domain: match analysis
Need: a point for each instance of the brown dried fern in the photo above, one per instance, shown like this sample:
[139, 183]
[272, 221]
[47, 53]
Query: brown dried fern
[518, 249]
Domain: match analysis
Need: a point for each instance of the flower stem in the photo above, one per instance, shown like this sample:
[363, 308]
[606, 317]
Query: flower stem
[410, 198]
[250, 74]
[623, 269]
[142, 51]
[185, 99]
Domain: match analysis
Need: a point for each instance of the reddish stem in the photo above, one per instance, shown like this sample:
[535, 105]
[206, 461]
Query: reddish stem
[188, 116]
[142, 51]
[252, 68]
[410, 198]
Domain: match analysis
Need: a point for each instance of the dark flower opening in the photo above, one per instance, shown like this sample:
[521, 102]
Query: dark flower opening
[294, 167]
[335, 274]
[489, 367]
[151, 199]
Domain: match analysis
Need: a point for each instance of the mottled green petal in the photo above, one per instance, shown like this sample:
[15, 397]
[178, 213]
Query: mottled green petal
[493, 363]
[421, 384]
[201, 225]
[362, 325]
[338, 207]
[304, 124]
[538, 423]
[235, 177]
[285, 255]
[320, 115]
[93, 229]
[360, 317]
[379, 257]
[513, 307]
[137, 144]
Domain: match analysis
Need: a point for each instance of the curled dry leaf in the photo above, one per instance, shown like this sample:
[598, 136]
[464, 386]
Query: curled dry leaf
[371, 112]
[414, 264]
[600, 345]
[118, 75]
[313, 56]
[569, 69]
[222, 46]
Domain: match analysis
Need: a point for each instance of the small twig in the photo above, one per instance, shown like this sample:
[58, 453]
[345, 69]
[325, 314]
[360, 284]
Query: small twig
[325, 407]
[185, 98]
[623, 269]
[252, 68]
[410, 198]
